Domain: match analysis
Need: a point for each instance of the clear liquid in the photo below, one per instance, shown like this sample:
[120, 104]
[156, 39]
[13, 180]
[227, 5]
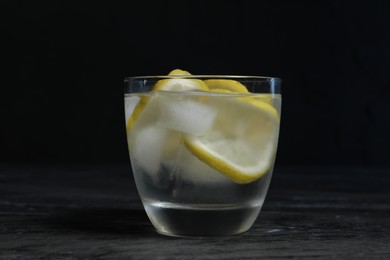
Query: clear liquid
[182, 195]
[201, 220]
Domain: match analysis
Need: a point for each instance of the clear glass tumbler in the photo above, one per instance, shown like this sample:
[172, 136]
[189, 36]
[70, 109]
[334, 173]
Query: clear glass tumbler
[202, 149]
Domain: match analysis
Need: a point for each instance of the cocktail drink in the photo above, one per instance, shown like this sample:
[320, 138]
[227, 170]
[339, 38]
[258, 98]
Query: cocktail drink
[202, 149]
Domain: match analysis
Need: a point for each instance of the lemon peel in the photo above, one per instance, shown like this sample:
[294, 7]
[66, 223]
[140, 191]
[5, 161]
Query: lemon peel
[227, 84]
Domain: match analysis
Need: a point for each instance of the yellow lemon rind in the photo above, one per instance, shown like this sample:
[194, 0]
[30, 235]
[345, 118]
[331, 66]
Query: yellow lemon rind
[136, 113]
[227, 84]
[224, 167]
[179, 72]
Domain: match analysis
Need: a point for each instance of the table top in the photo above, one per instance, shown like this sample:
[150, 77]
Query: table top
[89, 211]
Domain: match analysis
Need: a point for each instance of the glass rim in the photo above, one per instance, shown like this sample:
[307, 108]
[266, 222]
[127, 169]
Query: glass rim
[264, 78]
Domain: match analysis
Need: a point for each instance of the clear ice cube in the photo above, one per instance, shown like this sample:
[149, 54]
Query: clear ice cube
[147, 148]
[186, 115]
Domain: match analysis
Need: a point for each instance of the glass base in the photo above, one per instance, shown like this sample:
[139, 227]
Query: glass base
[201, 220]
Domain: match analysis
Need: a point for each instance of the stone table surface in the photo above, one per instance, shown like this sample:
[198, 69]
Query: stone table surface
[90, 211]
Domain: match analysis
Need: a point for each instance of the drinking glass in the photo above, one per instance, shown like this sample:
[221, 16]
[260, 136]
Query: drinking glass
[202, 149]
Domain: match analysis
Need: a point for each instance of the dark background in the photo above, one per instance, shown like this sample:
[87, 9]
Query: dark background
[63, 65]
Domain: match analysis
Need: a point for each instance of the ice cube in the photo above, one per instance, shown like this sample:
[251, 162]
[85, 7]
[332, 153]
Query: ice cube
[188, 168]
[146, 150]
[186, 116]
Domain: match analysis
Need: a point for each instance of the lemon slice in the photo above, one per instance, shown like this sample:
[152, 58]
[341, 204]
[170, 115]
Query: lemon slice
[180, 84]
[218, 85]
[242, 143]
[227, 84]
[179, 72]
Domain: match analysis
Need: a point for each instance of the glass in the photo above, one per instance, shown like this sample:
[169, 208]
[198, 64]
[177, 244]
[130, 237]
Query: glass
[202, 149]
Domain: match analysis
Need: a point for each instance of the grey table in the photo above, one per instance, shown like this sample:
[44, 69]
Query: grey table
[93, 212]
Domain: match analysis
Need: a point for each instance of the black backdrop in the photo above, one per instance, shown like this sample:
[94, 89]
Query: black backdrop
[63, 64]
